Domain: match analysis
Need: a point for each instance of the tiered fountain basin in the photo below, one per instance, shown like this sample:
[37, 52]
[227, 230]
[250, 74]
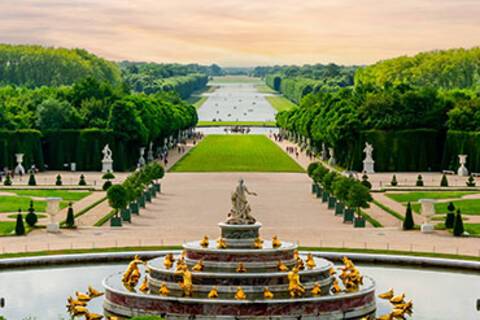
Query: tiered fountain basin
[219, 271]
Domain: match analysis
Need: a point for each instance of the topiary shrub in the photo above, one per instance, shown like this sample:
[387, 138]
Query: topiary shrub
[107, 184]
[58, 180]
[394, 182]
[70, 221]
[365, 182]
[458, 225]
[31, 217]
[311, 168]
[82, 181]
[31, 179]
[19, 226]
[108, 176]
[419, 181]
[117, 197]
[471, 181]
[8, 180]
[450, 217]
[444, 181]
[408, 223]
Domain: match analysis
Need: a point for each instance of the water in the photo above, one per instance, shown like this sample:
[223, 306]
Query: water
[41, 293]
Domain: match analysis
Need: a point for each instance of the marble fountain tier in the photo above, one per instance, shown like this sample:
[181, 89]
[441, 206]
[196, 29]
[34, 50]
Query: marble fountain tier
[239, 245]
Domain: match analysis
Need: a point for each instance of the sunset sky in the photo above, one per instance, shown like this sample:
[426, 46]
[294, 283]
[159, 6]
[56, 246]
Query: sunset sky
[244, 32]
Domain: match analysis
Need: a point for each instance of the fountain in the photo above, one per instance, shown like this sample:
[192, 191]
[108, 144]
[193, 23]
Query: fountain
[240, 276]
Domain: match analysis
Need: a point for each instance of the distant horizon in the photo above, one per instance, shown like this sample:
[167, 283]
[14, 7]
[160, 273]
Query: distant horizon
[244, 33]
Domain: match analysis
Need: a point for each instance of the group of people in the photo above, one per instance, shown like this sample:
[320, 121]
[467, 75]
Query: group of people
[292, 150]
[277, 137]
[238, 129]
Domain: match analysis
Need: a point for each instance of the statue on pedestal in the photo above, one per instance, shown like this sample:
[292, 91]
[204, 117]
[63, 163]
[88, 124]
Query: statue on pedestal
[462, 170]
[141, 160]
[332, 161]
[150, 156]
[240, 212]
[107, 161]
[19, 169]
[368, 163]
[324, 152]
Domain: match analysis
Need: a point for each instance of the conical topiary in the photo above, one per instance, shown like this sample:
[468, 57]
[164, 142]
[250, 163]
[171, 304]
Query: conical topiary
[408, 223]
[31, 179]
[444, 181]
[58, 180]
[365, 181]
[394, 182]
[8, 180]
[82, 181]
[70, 222]
[31, 217]
[450, 217]
[419, 181]
[458, 225]
[107, 184]
[471, 181]
[19, 226]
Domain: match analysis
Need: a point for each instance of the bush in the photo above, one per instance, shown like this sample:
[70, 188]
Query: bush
[82, 181]
[471, 181]
[394, 182]
[31, 217]
[328, 180]
[450, 217]
[31, 179]
[117, 197]
[458, 225]
[107, 184]
[70, 221]
[341, 186]
[312, 167]
[408, 222]
[8, 180]
[358, 196]
[319, 173]
[365, 182]
[19, 226]
[444, 181]
[58, 181]
[108, 176]
[419, 181]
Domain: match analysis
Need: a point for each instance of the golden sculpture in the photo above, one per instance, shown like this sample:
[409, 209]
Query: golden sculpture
[186, 284]
[332, 271]
[296, 255]
[93, 316]
[241, 267]
[350, 276]
[144, 285]
[398, 299]
[295, 287]
[386, 295]
[132, 270]
[92, 292]
[168, 261]
[310, 261]
[221, 244]
[164, 290]
[79, 310]
[198, 267]
[204, 242]
[276, 243]
[267, 294]
[335, 287]
[316, 290]
[300, 265]
[388, 316]
[213, 294]
[134, 278]
[240, 294]
[258, 243]
[82, 296]
[181, 265]
[282, 267]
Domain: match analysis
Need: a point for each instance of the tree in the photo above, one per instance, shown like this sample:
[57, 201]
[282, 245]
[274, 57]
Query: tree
[358, 196]
[471, 181]
[31, 217]
[31, 179]
[444, 181]
[450, 217]
[458, 225]
[365, 181]
[70, 221]
[53, 114]
[394, 182]
[82, 181]
[107, 184]
[419, 181]
[125, 121]
[117, 197]
[408, 223]
[19, 226]
[8, 180]
[311, 168]
[341, 186]
[58, 181]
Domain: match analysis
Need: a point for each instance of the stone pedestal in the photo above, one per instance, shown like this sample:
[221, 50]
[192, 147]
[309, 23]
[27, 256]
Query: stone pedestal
[240, 235]
[19, 169]
[427, 228]
[53, 228]
[368, 166]
[107, 165]
[462, 170]
[53, 205]
[427, 211]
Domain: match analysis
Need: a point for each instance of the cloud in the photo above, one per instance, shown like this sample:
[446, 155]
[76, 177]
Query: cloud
[243, 32]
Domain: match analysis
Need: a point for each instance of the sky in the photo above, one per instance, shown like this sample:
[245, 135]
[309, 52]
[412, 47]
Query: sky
[244, 32]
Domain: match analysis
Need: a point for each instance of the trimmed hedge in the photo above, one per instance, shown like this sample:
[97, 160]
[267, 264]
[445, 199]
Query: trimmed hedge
[462, 142]
[21, 141]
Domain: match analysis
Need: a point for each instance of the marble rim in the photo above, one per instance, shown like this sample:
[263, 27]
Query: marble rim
[256, 225]
[194, 246]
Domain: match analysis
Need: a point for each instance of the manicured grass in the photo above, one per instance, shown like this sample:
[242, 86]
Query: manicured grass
[263, 88]
[7, 227]
[374, 222]
[236, 123]
[472, 228]
[415, 196]
[198, 101]
[45, 193]
[467, 207]
[236, 153]
[280, 103]
[12, 204]
[14, 216]
[104, 219]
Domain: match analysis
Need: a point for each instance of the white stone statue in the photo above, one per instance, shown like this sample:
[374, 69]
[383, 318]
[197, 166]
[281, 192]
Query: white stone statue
[107, 161]
[19, 169]
[240, 212]
[324, 152]
[368, 163]
[150, 156]
[332, 161]
[462, 170]
[427, 212]
[141, 160]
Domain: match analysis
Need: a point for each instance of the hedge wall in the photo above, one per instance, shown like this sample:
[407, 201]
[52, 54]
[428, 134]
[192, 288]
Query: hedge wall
[462, 142]
[20, 141]
[403, 150]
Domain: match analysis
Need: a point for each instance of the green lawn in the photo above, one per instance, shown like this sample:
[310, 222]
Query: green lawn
[235, 79]
[263, 88]
[66, 195]
[6, 227]
[236, 123]
[280, 103]
[472, 228]
[12, 204]
[14, 215]
[232, 153]
[467, 207]
[198, 101]
[415, 196]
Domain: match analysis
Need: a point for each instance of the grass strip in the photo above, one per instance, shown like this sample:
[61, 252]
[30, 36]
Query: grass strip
[375, 223]
[85, 210]
[236, 123]
[388, 210]
[104, 219]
